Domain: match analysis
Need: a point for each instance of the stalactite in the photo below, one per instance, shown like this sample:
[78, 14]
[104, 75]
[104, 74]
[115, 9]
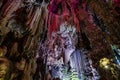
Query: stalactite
[39, 38]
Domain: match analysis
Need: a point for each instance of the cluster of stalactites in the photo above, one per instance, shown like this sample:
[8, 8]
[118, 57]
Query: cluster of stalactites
[64, 10]
[21, 25]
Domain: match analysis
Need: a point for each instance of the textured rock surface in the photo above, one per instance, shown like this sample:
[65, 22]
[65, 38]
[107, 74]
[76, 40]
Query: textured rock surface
[35, 34]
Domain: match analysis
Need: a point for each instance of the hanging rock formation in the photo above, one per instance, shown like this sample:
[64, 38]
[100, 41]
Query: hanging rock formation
[42, 39]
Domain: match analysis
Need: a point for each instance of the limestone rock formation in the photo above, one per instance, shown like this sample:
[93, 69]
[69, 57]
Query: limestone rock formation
[55, 39]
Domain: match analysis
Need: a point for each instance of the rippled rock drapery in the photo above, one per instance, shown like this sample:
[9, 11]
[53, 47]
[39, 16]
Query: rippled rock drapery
[20, 25]
[38, 38]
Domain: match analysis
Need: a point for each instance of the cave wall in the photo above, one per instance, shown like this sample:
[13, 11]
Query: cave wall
[24, 25]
